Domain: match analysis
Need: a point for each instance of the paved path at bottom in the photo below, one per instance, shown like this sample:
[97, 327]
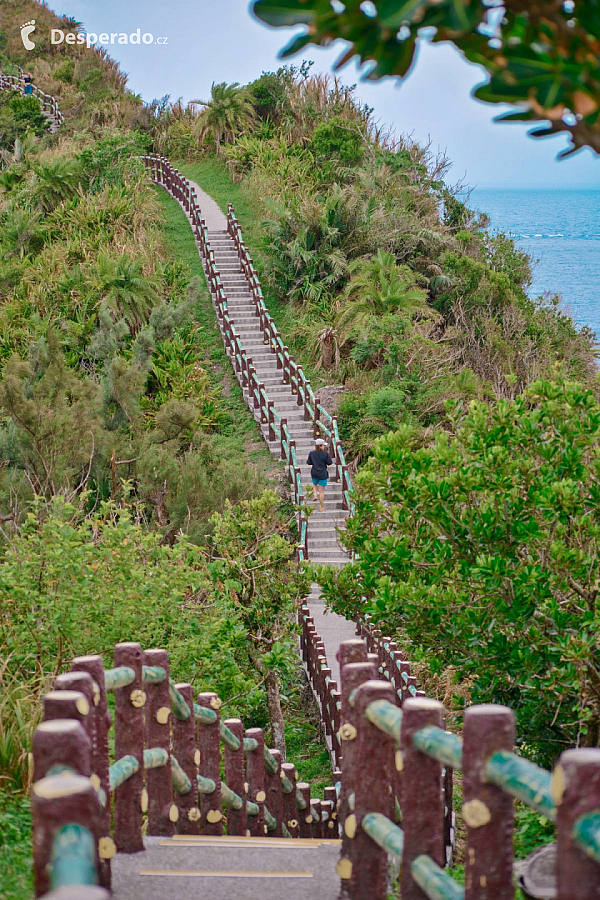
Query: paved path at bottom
[228, 868]
[331, 628]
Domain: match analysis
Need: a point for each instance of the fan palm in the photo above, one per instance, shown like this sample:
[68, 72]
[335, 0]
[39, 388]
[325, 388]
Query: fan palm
[379, 287]
[228, 112]
[125, 289]
[57, 181]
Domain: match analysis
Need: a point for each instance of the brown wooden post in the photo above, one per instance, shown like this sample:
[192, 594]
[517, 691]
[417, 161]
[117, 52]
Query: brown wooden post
[290, 810]
[422, 800]
[94, 666]
[576, 791]
[487, 810]
[271, 409]
[274, 793]
[187, 755]
[129, 741]
[162, 813]
[317, 419]
[330, 795]
[283, 428]
[353, 675]
[255, 769]
[61, 742]
[234, 778]
[317, 825]
[59, 800]
[82, 682]
[209, 744]
[372, 794]
[304, 817]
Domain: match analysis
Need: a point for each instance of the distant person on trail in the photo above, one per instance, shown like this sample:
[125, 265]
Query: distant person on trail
[319, 459]
[28, 88]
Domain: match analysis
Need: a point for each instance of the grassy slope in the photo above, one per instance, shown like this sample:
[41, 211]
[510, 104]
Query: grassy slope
[213, 176]
[242, 436]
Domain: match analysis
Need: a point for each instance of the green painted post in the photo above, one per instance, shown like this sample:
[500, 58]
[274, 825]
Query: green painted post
[576, 790]
[487, 810]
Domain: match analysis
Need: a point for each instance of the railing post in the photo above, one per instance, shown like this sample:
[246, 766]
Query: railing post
[290, 809]
[422, 799]
[576, 791]
[94, 666]
[372, 793]
[129, 741]
[162, 813]
[187, 755]
[317, 419]
[255, 769]
[304, 815]
[237, 822]
[61, 742]
[487, 810]
[274, 793]
[209, 744]
[355, 670]
[330, 796]
[272, 434]
[317, 825]
[59, 800]
[283, 429]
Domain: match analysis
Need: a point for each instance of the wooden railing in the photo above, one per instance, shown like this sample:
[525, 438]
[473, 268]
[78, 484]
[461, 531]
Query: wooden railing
[407, 750]
[166, 773]
[324, 424]
[48, 103]
[389, 664]
[163, 173]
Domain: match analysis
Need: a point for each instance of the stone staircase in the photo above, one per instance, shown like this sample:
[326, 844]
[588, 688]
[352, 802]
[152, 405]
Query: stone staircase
[323, 543]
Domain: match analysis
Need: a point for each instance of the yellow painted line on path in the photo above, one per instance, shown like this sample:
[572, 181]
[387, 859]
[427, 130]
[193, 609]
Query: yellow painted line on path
[256, 841]
[199, 873]
[242, 845]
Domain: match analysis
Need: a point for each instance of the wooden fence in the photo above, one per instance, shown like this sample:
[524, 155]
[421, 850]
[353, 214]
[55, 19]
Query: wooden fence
[48, 103]
[276, 427]
[408, 750]
[166, 771]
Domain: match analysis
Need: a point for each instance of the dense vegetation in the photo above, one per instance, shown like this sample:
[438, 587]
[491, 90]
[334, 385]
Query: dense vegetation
[134, 497]
[476, 520]
[137, 500]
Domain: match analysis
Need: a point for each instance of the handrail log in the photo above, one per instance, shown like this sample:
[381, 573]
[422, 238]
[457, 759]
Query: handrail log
[522, 779]
[385, 716]
[73, 860]
[586, 832]
[153, 674]
[433, 881]
[387, 835]
[440, 745]
[121, 770]
[121, 676]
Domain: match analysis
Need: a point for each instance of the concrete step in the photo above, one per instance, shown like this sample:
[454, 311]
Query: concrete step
[227, 868]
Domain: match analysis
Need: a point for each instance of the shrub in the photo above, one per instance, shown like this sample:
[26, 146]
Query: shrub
[484, 549]
[335, 140]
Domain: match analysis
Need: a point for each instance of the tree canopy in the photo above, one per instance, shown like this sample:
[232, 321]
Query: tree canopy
[541, 58]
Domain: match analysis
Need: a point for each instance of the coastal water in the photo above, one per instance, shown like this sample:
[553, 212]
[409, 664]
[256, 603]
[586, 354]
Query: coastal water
[561, 230]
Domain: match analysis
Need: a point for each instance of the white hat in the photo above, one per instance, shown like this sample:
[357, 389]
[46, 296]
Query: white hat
[321, 442]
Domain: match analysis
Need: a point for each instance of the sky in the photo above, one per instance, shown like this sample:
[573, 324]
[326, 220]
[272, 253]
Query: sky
[219, 40]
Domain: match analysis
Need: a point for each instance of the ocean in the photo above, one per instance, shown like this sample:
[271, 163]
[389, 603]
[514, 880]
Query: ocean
[561, 230]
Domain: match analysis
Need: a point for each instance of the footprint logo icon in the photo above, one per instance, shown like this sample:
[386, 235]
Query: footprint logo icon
[27, 29]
